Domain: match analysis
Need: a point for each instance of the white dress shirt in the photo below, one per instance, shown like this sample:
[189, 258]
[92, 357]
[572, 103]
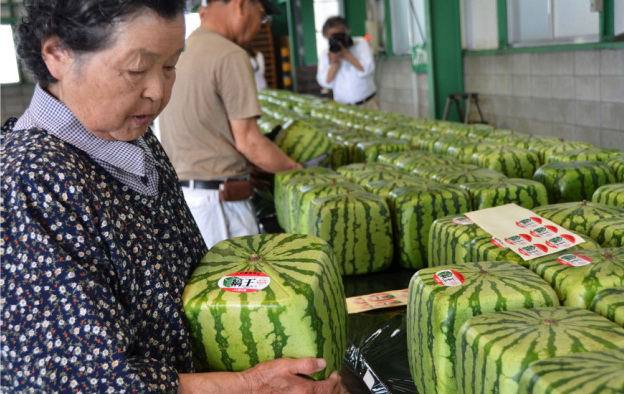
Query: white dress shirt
[350, 84]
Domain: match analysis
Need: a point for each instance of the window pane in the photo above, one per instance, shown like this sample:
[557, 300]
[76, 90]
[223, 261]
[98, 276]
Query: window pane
[529, 20]
[408, 25]
[323, 9]
[192, 22]
[619, 17]
[8, 66]
[574, 19]
[480, 24]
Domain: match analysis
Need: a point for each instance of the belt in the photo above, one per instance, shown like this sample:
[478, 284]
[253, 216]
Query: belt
[195, 184]
[366, 99]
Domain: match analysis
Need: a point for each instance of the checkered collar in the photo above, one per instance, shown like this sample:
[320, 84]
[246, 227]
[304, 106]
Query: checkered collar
[48, 113]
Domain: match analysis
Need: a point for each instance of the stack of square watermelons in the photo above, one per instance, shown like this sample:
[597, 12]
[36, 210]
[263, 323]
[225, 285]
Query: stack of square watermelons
[480, 319]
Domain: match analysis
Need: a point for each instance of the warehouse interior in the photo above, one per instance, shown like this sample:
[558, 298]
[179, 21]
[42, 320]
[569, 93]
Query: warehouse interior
[550, 68]
[542, 68]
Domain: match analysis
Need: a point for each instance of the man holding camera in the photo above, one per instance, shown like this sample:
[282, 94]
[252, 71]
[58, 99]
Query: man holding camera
[347, 66]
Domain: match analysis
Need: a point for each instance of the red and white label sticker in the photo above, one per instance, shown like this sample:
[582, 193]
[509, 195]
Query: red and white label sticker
[533, 250]
[519, 240]
[561, 241]
[449, 278]
[544, 231]
[530, 222]
[574, 260]
[244, 281]
[498, 242]
[462, 220]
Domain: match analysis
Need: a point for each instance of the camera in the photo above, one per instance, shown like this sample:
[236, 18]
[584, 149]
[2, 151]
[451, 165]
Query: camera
[335, 41]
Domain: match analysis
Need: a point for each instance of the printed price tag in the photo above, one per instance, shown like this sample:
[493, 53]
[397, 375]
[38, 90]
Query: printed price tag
[462, 220]
[449, 278]
[369, 302]
[244, 282]
[574, 260]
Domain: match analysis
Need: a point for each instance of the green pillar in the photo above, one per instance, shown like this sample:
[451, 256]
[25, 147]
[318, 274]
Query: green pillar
[446, 71]
[309, 34]
[355, 14]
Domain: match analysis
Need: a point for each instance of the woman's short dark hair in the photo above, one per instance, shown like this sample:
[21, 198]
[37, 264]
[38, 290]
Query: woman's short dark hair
[82, 26]
[335, 21]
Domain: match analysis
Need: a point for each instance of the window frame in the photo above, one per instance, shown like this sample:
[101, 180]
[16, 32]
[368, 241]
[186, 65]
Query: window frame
[606, 37]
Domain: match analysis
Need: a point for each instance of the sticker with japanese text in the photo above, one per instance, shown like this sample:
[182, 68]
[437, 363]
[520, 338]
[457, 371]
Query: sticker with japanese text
[462, 220]
[544, 231]
[449, 278]
[574, 260]
[519, 239]
[244, 281]
[534, 250]
[530, 222]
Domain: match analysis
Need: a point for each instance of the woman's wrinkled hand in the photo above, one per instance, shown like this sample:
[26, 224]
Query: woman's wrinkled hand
[284, 376]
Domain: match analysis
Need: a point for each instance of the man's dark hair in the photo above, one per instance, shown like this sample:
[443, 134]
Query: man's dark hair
[335, 21]
[82, 26]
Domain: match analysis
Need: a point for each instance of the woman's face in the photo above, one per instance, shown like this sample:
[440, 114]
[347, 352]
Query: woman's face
[117, 92]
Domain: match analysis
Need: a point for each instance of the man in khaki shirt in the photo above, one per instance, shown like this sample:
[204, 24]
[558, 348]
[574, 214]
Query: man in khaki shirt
[209, 129]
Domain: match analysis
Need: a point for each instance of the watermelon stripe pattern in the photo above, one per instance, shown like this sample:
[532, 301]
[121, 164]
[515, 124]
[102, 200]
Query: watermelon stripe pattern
[597, 372]
[458, 177]
[301, 313]
[523, 192]
[414, 209]
[301, 141]
[512, 162]
[436, 312]
[448, 240]
[608, 232]
[610, 304]
[617, 165]
[611, 194]
[574, 180]
[578, 276]
[357, 225]
[578, 216]
[494, 349]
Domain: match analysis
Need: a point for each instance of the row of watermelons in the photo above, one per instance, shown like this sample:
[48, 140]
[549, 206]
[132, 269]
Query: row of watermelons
[418, 186]
[480, 319]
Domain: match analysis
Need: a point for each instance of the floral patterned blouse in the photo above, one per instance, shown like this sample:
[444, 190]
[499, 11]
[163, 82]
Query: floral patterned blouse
[92, 272]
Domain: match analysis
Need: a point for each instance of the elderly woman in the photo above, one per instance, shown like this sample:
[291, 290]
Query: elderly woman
[97, 241]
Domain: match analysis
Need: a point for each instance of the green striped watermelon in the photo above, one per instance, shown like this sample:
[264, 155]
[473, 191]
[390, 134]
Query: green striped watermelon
[449, 238]
[548, 146]
[494, 349]
[441, 299]
[574, 180]
[357, 225]
[578, 276]
[301, 141]
[285, 194]
[364, 177]
[351, 144]
[368, 151]
[302, 199]
[460, 176]
[523, 192]
[610, 304]
[414, 209]
[578, 216]
[383, 187]
[299, 313]
[339, 155]
[611, 194]
[597, 372]
[430, 171]
[617, 165]
[463, 153]
[583, 154]
[511, 162]
[393, 157]
[350, 170]
[608, 232]
[486, 247]
[426, 159]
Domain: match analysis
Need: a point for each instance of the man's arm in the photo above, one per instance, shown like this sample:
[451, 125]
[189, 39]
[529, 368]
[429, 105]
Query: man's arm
[250, 142]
